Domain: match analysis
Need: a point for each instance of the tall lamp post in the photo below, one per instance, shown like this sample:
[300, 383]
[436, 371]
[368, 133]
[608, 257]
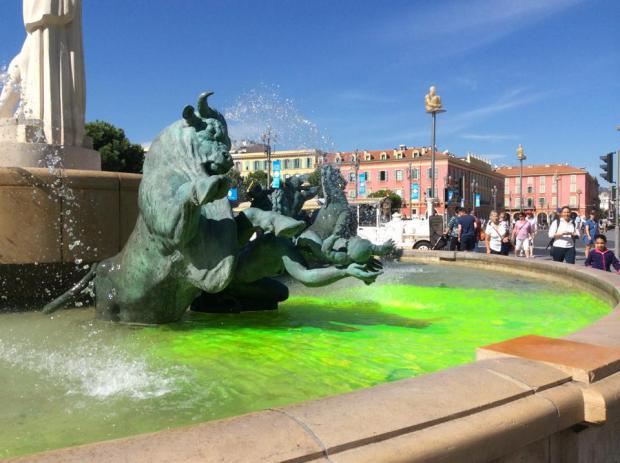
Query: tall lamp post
[494, 194]
[474, 185]
[579, 200]
[433, 105]
[267, 138]
[410, 176]
[355, 162]
[521, 157]
[557, 193]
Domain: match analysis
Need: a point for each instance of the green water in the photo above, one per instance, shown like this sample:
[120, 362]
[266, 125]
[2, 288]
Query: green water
[71, 380]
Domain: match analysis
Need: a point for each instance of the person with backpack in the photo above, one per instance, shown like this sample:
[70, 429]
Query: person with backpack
[602, 258]
[590, 230]
[467, 231]
[452, 230]
[563, 233]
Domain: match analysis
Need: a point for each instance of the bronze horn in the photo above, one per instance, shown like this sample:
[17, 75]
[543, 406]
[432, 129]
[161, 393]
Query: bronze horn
[203, 106]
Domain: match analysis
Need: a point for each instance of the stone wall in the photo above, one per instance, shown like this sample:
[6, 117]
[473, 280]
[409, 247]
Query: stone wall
[52, 223]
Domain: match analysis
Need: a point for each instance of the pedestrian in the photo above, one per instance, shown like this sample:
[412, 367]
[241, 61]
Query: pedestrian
[602, 258]
[590, 230]
[534, 229]
[521, 234]
[479, 228]
[506, 244]
[467, 231]
[496, 235]
[452, 230]
[563, 233]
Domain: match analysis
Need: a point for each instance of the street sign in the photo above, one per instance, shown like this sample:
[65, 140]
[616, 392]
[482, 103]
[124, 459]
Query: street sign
[450, 195]
[477, 201]
[462, 202]
[232, 194]
[415, 192]
[277, 165]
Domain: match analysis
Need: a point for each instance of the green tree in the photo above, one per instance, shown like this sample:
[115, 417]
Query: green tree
[236, 181]
[118, 154]
[258, 176]
[397, 201]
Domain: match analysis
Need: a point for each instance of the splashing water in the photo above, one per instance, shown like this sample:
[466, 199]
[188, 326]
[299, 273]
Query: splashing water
[263, 108]
[92, 367]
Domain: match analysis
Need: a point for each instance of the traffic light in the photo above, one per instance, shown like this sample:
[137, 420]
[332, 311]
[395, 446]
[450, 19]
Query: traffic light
[607, 167]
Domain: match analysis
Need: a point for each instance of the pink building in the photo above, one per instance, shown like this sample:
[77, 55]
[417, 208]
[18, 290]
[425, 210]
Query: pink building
[407, 172]
[549, 186]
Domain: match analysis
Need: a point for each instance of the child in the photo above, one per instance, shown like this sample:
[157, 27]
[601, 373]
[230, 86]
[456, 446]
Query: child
[601, 257]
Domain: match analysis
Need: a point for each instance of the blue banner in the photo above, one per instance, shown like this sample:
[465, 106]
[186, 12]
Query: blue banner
[415, 192]
[450, 195]
[477, 196]
[362, 184]
[232, 194]
[277, 165]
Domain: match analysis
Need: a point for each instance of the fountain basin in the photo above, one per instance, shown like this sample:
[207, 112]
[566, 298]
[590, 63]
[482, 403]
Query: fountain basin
[114, 381]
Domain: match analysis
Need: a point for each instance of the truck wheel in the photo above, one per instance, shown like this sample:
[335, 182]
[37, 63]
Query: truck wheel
[422, 245]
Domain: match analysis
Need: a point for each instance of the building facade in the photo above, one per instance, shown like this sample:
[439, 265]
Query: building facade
[292, 162]
[406, 171]
[548, 187]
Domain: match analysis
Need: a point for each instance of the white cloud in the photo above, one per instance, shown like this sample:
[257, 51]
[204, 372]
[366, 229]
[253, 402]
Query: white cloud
[460, 26]
[490, 137]
[364, 97]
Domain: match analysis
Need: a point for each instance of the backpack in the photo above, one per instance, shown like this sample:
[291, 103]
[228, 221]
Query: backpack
[557, 219]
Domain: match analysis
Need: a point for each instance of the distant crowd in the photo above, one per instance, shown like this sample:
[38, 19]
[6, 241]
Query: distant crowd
[502, 236]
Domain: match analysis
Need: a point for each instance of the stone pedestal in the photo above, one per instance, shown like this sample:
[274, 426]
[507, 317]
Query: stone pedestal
[53, 223]
[22, 144]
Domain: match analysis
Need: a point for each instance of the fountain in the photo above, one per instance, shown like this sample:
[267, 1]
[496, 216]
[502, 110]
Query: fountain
[172, 327]
[189, 249]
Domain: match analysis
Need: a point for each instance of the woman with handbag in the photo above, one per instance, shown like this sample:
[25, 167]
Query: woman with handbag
[496, 235]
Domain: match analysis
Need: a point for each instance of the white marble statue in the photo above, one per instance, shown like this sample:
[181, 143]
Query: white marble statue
[46, 79]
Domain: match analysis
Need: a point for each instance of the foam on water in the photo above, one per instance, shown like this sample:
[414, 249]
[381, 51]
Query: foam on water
[95, 370]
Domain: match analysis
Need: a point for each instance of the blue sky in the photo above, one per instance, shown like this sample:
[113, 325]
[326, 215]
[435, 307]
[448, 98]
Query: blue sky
[353, 74]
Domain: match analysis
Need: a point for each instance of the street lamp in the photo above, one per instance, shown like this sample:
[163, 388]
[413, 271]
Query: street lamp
[579, 200]
[433, 106]
[521, 157]
[494, 194]
[267, 138]
[557, 193]
[410, 176]
[474, 185]
[355, 162]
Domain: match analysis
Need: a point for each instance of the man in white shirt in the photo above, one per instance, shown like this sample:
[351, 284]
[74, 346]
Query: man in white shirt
[563, 232]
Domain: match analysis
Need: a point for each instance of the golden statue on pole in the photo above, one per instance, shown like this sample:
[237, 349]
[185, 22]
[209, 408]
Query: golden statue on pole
[433, 101]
